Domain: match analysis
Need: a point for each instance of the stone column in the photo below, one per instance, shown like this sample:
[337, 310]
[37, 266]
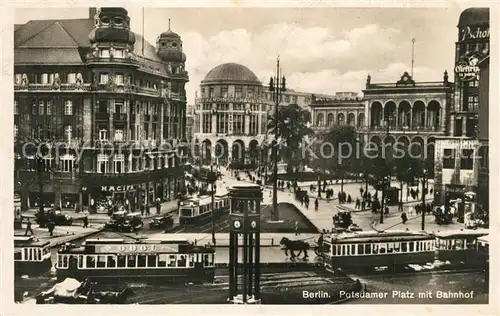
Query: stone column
[426, 116]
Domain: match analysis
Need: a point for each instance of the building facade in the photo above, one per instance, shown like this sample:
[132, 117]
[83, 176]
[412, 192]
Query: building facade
[462, 157]
[114, 103]
[231, 115]
[408, 112]
[343, 108]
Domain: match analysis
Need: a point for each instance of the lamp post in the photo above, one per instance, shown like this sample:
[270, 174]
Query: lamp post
[277, 86]
[212, 178]
[424, 182]
[387, 176]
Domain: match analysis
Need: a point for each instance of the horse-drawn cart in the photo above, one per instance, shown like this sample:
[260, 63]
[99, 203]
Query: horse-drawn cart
[318, 247]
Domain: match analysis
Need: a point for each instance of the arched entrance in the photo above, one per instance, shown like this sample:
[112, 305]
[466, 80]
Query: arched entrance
[351, 119]
[221, 152]
[433, 115]
[238, 152]
[375, 114]
[330, 119]
[390, 113]
[404, 114]
[418, 115]
[253, 150]
[361, 120]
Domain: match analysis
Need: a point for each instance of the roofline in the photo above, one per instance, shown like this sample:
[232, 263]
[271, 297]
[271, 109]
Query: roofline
[222, 81]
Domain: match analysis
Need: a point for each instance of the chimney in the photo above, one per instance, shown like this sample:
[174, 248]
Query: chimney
[92, 13]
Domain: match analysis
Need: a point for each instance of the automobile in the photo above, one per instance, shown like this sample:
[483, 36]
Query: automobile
[162, 222]
[59, 218]
[115, 220]
[131, 223]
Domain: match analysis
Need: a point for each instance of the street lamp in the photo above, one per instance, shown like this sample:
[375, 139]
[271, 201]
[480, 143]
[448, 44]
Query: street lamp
[424, 183]
[277, 86]
[386, 179]
[212, 178]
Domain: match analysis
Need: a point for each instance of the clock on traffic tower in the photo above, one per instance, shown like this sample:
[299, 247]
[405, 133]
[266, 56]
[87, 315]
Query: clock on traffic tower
[245, 229]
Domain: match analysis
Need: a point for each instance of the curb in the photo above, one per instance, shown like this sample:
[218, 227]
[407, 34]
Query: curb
[375, 222]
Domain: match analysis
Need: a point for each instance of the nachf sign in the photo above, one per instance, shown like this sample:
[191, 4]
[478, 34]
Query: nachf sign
[477, 33]
[468, 68]
[117, 188]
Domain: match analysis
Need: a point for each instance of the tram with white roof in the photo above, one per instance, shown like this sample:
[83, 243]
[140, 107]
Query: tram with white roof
[197, 210]
[145, 260]
[458, 245]
[376, 249]
[31, 256]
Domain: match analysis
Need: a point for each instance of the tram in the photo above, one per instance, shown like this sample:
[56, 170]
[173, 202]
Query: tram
[199, 209]
[146, 260]
[458, 245]
[376, 249]
[483, 255]
[31, 256]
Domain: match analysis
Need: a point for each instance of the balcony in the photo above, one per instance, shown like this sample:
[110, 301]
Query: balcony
[147, 91]
[120, 117]
[68, 87]
[99, 116]
[130, 60]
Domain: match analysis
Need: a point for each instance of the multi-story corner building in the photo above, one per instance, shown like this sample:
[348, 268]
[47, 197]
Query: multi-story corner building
[461, 157]
[231, 115]
[190, 123]
[408, 112]
[114, 101]
[343, 108]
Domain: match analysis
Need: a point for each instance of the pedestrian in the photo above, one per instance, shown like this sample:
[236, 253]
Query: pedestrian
[158, 207]
[386, 209]
[51, 226]
[28, 228]
[404, 219]
[316, 204]
[400, 206]
[297, 228]
[349, 199]
[147, 209]
[363, 205]
[358, 203]
[142, 209]
[85, 222]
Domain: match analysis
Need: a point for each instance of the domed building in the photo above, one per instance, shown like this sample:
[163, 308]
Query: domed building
[230, 116]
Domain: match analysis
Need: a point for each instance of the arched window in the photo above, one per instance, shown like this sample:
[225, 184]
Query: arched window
[320, 120]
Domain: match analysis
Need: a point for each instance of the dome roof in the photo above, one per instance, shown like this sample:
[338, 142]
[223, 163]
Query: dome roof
[231, 72]
[169, 34]
[474, 16]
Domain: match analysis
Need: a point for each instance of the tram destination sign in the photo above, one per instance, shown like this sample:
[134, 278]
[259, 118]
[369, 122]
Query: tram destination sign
[137, 248]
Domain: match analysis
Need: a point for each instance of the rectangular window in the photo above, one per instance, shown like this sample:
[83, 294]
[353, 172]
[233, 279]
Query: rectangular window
[48, 109]
[40, 107]
[211, 92]
[151, 261]
[118, 162]
[102, 163]
[119, 79]
[67, 163]
[44, 78]
[162, 260]
[449, 159]
[118, 135]
[91, 261]
[103, 134]
[141, 261]
[467, 159]
[119, 106]
[16, 107]
[132, 261]
[223, 92]
[71, 78]
[361, 250]
[237, 91]
[111, 262]
[101, 261]
[68, 107]
[104, 53]
[118, 53]
[103, 78]
[171, 261]
[121, 261]
[17, 79]
[16, 131]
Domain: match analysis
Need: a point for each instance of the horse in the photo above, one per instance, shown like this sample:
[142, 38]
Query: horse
[111, 297]
[293, 245]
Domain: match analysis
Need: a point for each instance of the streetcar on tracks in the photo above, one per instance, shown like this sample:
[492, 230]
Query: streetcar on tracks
[458, 245]
[198, 210]
[31, 256]
[377, 249]
[115, 260]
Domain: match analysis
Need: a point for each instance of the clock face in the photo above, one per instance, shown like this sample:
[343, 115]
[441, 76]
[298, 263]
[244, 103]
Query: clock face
[253, 224]
[237, 224]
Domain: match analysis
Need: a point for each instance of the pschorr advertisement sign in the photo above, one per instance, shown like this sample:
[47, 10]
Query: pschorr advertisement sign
[468, 68]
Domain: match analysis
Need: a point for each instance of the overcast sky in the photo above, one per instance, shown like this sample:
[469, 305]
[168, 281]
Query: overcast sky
[322, 50]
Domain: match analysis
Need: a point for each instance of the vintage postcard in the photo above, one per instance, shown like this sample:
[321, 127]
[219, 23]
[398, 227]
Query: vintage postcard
[239, 155]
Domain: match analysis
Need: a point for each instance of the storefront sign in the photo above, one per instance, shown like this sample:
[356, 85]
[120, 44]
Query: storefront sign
[468, 68]
[474, 33]
[117, 188]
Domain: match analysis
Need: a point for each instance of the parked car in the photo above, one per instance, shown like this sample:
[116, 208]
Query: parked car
[132, 222]
[162, 222]
[116, 219]
[354, 228]
[59, 218]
